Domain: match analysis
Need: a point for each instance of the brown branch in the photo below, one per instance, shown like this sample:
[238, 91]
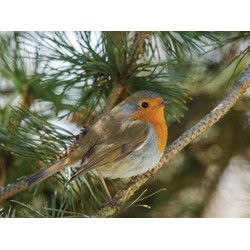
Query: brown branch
[137, 48]
[203, 125]
[3, 172]
[116, 92]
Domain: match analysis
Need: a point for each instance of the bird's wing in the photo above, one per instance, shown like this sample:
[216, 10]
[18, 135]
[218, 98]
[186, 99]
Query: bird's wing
[114, 148]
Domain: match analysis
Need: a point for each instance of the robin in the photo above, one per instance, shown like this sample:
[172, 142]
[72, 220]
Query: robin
[128, 141]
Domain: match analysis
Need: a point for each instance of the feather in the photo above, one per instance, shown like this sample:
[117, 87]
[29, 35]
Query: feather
[114, 148]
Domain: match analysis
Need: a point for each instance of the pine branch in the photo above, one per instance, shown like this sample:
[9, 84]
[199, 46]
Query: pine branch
[203, 125]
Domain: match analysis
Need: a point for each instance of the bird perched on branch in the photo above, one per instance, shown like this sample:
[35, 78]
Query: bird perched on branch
[128, 141]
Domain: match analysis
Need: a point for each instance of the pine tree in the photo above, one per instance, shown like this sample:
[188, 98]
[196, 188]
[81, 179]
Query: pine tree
[76, 77]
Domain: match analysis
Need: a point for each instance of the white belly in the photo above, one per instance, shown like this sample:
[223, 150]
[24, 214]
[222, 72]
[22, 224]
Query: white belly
[140, 161]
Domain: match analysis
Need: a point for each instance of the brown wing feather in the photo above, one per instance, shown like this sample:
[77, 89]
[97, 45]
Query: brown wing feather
[115, 148]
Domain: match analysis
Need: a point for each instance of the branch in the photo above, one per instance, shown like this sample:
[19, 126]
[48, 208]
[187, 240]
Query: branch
[135, 50]
[116, 92]
[203, 125]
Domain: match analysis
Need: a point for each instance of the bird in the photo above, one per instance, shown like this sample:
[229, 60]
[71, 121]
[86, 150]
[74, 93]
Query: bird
[126, 142]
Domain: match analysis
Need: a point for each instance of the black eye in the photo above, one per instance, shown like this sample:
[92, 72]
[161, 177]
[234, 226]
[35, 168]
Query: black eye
[144, 105]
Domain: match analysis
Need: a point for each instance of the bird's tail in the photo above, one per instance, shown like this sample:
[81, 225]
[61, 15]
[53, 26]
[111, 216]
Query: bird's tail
[39, 176]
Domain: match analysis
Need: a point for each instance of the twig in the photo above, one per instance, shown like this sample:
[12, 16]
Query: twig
[203, 125]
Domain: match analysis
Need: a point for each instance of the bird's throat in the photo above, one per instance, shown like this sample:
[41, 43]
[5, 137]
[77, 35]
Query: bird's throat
[156, 119]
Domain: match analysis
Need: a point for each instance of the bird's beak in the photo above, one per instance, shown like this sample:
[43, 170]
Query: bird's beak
[164, 103]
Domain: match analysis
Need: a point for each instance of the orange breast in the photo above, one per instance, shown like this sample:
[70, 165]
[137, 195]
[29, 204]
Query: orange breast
[154, 116]
[162, 134]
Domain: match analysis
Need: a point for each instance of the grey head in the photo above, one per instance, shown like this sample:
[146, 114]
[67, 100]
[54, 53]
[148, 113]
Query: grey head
[131, 103]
